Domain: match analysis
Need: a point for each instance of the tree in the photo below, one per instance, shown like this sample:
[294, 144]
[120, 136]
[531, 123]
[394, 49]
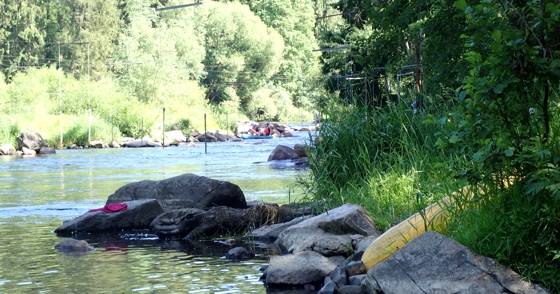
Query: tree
[242, 54]
[505, 125]
[75, 23]
[21, 35]
[299, 68]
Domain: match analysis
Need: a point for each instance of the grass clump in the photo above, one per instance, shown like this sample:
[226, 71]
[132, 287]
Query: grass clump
[382, 159]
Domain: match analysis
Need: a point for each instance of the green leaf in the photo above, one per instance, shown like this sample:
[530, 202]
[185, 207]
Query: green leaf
[461, 5]
[454, 139]
[462, 95]
[508, 153]
[496, 35]
[499, 89]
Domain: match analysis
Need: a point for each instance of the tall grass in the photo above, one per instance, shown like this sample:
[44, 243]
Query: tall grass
[394, 162]
[518, 223]
[384, 160]
[9, 130]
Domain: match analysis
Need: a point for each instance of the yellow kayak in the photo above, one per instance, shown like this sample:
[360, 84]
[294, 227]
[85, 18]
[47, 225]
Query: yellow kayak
[431, 218]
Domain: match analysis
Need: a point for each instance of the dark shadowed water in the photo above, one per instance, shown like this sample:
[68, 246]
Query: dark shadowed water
[38, 193]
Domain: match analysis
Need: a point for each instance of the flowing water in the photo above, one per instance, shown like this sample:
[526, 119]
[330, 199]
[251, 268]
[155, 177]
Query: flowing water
[38, 193]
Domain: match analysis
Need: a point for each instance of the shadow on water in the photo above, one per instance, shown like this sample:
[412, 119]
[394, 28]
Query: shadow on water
[38, 193]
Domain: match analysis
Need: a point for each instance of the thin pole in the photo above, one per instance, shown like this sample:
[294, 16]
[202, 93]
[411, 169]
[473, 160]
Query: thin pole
[89, 97]
[59, 98]
[205, 134]
[163, 127]
[112, 125]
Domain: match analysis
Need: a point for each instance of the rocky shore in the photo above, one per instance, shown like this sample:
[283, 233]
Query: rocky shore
[318, 251]
[32, 143]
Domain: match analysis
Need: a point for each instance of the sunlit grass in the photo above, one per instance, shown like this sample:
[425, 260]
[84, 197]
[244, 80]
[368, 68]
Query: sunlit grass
[386, 160]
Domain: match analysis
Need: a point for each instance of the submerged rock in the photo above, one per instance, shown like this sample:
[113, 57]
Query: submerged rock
[73, 246]
[239, 253]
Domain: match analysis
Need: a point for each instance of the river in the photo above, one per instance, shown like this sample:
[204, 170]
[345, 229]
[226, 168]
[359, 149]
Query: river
[38, 193]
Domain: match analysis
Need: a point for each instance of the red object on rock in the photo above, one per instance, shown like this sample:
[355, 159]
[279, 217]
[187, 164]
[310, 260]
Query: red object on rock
[110, 208]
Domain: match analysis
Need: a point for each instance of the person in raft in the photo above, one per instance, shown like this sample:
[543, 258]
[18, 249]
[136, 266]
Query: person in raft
[267, 129]
[254, 130]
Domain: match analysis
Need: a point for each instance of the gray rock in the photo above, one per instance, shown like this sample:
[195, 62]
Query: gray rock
[217, 220]
[220, 137]
[27, 151]
[269, 233]
[301, 150]
[207, 138]
[96, 144]
[31, 140]
[349, 289]
[282, 152]
[331, 233]
[7, 149]
[175, 136]
[143, 142]
[138, 215]
[239, 253]
[338, 276]
[337, 259]
[298, 269]
[329, 288]
[168, 223]
[183, 191]
[365, 242]
[47, 150]
[357, 279]
[73, 245]
[333, 245]
[432, 263]
[355, 268]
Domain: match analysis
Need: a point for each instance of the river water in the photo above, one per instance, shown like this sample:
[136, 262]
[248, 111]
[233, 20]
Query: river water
[38, 193]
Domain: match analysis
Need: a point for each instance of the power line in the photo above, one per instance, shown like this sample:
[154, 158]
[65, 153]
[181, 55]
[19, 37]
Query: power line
[179, 6]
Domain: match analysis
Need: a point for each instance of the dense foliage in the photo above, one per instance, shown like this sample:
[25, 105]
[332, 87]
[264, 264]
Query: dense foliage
[483, 80]
[418, 98]
[231, 60]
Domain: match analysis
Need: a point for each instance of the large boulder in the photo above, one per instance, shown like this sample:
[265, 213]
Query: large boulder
[283, 152]
[138, 215]
[335, 232]
[183, 191]
[298, 269]
[143, 142]
[175, 136]
[432, 263]
[207, 137]
[31, 140]
[221, 137]
[97, 144]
